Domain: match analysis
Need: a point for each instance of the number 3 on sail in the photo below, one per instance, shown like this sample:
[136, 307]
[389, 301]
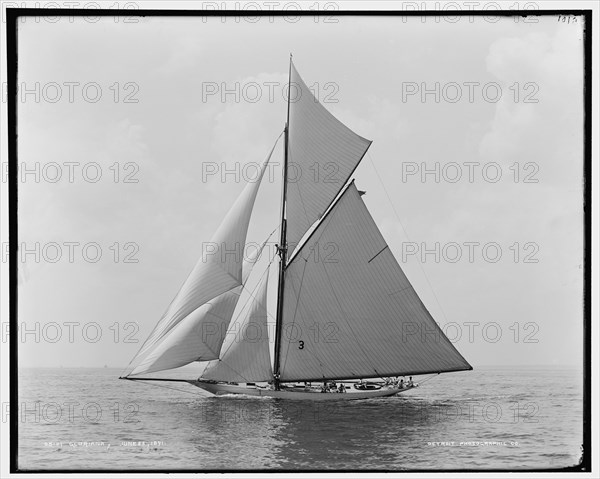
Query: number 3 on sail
[382, 329]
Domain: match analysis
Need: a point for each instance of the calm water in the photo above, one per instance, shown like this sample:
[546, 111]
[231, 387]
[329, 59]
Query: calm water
[535, 415]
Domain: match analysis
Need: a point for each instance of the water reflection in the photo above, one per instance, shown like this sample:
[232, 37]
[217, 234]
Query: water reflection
[350, 435]
[364, 434]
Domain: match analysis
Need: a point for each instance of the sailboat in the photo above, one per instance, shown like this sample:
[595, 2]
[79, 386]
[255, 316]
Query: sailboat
[349, 323]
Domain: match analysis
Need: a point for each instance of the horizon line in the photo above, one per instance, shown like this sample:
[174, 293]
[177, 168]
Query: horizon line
[474, 367]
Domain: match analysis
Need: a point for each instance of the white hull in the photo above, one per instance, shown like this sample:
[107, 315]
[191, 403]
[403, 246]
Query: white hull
[296, 393]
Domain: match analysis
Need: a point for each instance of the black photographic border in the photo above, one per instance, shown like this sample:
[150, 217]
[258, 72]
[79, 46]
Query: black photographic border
[12, 17]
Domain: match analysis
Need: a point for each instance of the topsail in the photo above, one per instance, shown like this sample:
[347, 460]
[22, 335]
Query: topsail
[323, 153]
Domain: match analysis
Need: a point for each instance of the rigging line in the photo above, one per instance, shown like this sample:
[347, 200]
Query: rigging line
[407, 237]
[380, 251]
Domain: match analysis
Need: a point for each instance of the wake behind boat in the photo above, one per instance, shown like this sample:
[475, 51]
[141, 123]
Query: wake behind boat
[344, 317]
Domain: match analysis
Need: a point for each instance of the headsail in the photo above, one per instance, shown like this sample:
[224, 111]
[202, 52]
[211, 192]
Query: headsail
[247, 358]
[323, 153]
[194, 325]
[198, 336]
[353, 313]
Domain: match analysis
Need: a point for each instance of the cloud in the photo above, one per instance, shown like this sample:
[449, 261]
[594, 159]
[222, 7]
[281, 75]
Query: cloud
[540, 115]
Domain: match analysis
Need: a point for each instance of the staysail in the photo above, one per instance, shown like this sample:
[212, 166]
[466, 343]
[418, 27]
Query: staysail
[349, 310]
[323, 153]
[194, 325]
[247, 358]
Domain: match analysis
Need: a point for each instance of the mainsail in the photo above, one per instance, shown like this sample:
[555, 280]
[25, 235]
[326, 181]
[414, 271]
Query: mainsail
[352, 313]
[193, 327]
[323, 153]
[247, 358]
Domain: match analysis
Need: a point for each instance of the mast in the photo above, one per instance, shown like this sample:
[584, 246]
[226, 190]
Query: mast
[282, 247]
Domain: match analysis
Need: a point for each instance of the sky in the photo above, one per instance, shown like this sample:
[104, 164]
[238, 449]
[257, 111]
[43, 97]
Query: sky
[173, 112]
